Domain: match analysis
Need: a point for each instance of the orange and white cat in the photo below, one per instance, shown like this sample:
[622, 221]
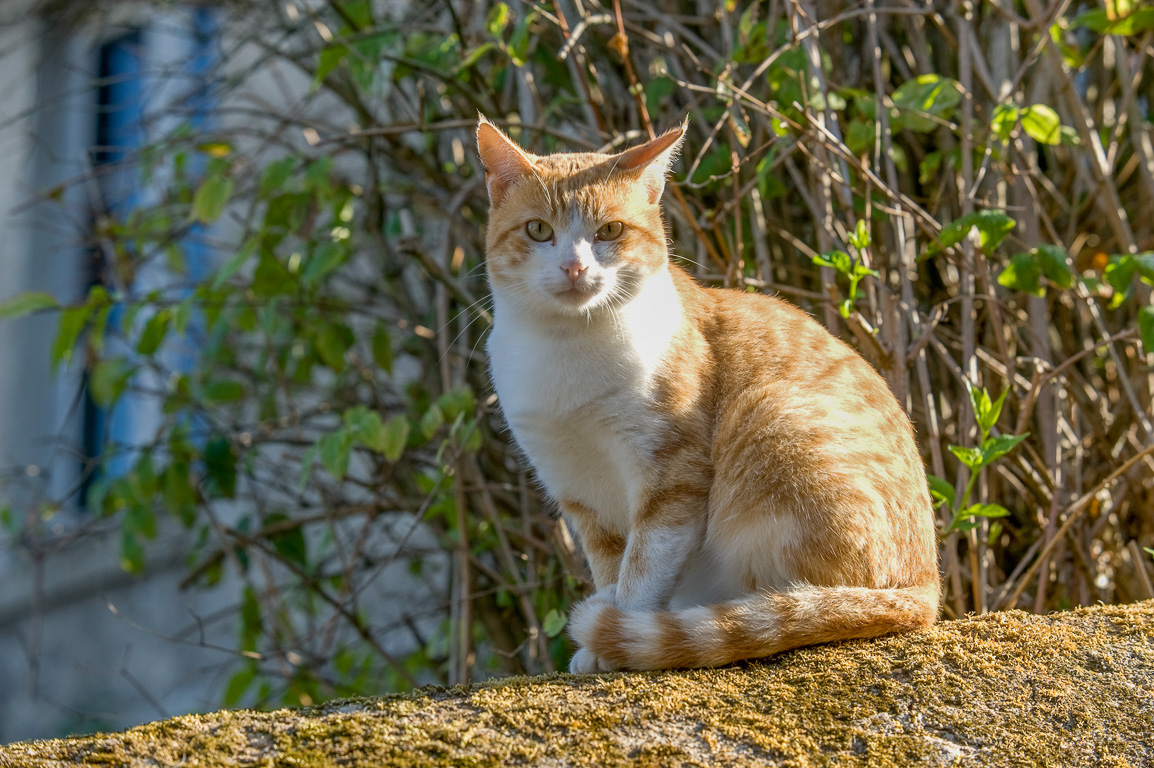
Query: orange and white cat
[741, 481]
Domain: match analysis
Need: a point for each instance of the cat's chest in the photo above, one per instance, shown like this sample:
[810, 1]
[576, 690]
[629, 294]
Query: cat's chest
[582, 410]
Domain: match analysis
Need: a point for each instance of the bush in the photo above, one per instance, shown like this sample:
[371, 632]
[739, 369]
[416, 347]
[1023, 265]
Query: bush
[964, 197]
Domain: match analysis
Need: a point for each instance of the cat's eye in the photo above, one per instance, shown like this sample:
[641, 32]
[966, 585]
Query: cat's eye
[610, 231]
[539, 231]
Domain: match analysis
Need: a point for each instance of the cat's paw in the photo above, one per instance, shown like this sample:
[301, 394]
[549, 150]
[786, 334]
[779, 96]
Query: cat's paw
[585, 662]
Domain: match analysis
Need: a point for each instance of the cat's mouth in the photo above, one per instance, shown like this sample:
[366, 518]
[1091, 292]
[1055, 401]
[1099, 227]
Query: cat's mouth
[578, 295]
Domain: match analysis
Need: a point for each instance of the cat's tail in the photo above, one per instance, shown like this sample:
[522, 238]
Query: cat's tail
[756, 625]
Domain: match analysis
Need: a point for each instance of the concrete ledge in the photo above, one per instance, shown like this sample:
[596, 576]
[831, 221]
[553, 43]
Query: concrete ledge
[1006, 689]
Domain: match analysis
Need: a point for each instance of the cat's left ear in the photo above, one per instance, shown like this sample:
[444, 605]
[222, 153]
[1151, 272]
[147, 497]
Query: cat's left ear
[504, 161]
[653, 159]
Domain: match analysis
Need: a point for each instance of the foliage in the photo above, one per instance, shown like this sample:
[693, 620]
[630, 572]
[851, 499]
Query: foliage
[337, 420]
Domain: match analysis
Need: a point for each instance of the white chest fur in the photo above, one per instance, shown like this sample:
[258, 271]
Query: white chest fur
[577, 394]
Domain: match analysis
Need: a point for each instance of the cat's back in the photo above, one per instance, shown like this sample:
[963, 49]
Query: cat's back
[756, 340]
[806, 429]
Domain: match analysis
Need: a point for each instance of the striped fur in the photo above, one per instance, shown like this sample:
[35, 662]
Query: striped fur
[741, 481]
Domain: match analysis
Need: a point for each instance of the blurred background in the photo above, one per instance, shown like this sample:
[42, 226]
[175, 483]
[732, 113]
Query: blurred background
[249, 453]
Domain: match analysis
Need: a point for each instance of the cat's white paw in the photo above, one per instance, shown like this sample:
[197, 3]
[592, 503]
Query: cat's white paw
[585, 662]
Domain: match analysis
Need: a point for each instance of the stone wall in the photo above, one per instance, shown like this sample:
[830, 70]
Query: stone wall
[1004, 689]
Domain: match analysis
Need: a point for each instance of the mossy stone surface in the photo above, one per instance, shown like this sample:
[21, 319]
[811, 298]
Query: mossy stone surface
[1005, 689]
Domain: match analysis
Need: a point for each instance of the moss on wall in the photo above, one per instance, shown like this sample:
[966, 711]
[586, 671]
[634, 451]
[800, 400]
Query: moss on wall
[1008, 689]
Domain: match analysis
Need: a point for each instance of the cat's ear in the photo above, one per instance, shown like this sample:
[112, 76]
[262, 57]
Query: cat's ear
[653, 159]
[504, 161]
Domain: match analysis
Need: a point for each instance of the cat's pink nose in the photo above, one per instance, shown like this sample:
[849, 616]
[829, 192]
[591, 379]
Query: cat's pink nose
[573, 270]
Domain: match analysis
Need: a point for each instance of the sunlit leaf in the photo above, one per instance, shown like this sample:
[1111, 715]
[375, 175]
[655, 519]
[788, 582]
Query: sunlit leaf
[992, 224]
[997, 447]
[131, 553]
[211, 198]
[395, 435]
[1042, 124]
[335, 449]
[941, 491]
[925, 102]
[1146, 327]
[554, 622]
[971, 457]
[25, 304]
[1022, 273]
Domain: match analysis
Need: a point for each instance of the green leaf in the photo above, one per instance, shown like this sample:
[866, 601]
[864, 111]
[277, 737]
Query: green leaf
[154, 331]
[997, 447]
[457, 402]
[971, 457]
[1119, 274]
[1100, 20]
[238, 684]
[554, 622]
[839, 260]
[209, 202]
[860, 237]
[220, 468]
[860, 135]
[967, 519]
[985, 510]
[383, 350]
[335, 449]
[497, 19]
[1149, 550]
[25, 304]
[276, 175]
[358, 12]
[139, 519]
[232, 266]
[1042, 124]
[925, 102]
[395, 436]
[307, 466]
[432, 421]
[290, 544]
[1004, 120]
[992, 224]
[989, 417]
[108, 380]
[518, 45]
[332, 344]
[330, 58]
[1055, 265]
[223, 391]
[1022, 273]
[178, 491]
[1146, 328]
[72, 323]
[323, 260]
[131, 554]
[941, 491]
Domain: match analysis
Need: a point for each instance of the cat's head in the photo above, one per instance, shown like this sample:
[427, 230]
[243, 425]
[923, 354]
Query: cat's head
[573, 233]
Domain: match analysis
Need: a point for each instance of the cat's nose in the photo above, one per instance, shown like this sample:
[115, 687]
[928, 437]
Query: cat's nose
[573, 270]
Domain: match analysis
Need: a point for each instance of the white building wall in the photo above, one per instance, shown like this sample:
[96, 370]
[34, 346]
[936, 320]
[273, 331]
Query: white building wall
[83, 645]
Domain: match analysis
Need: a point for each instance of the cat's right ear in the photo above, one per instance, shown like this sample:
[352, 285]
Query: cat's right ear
[504, 161]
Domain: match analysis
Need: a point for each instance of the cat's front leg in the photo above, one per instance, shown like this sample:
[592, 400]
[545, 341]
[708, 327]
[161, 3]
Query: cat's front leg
[653, 563]
[603, 549]
[655, 557]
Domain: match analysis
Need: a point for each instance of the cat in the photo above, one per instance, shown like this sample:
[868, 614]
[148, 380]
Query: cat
[741, 481]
